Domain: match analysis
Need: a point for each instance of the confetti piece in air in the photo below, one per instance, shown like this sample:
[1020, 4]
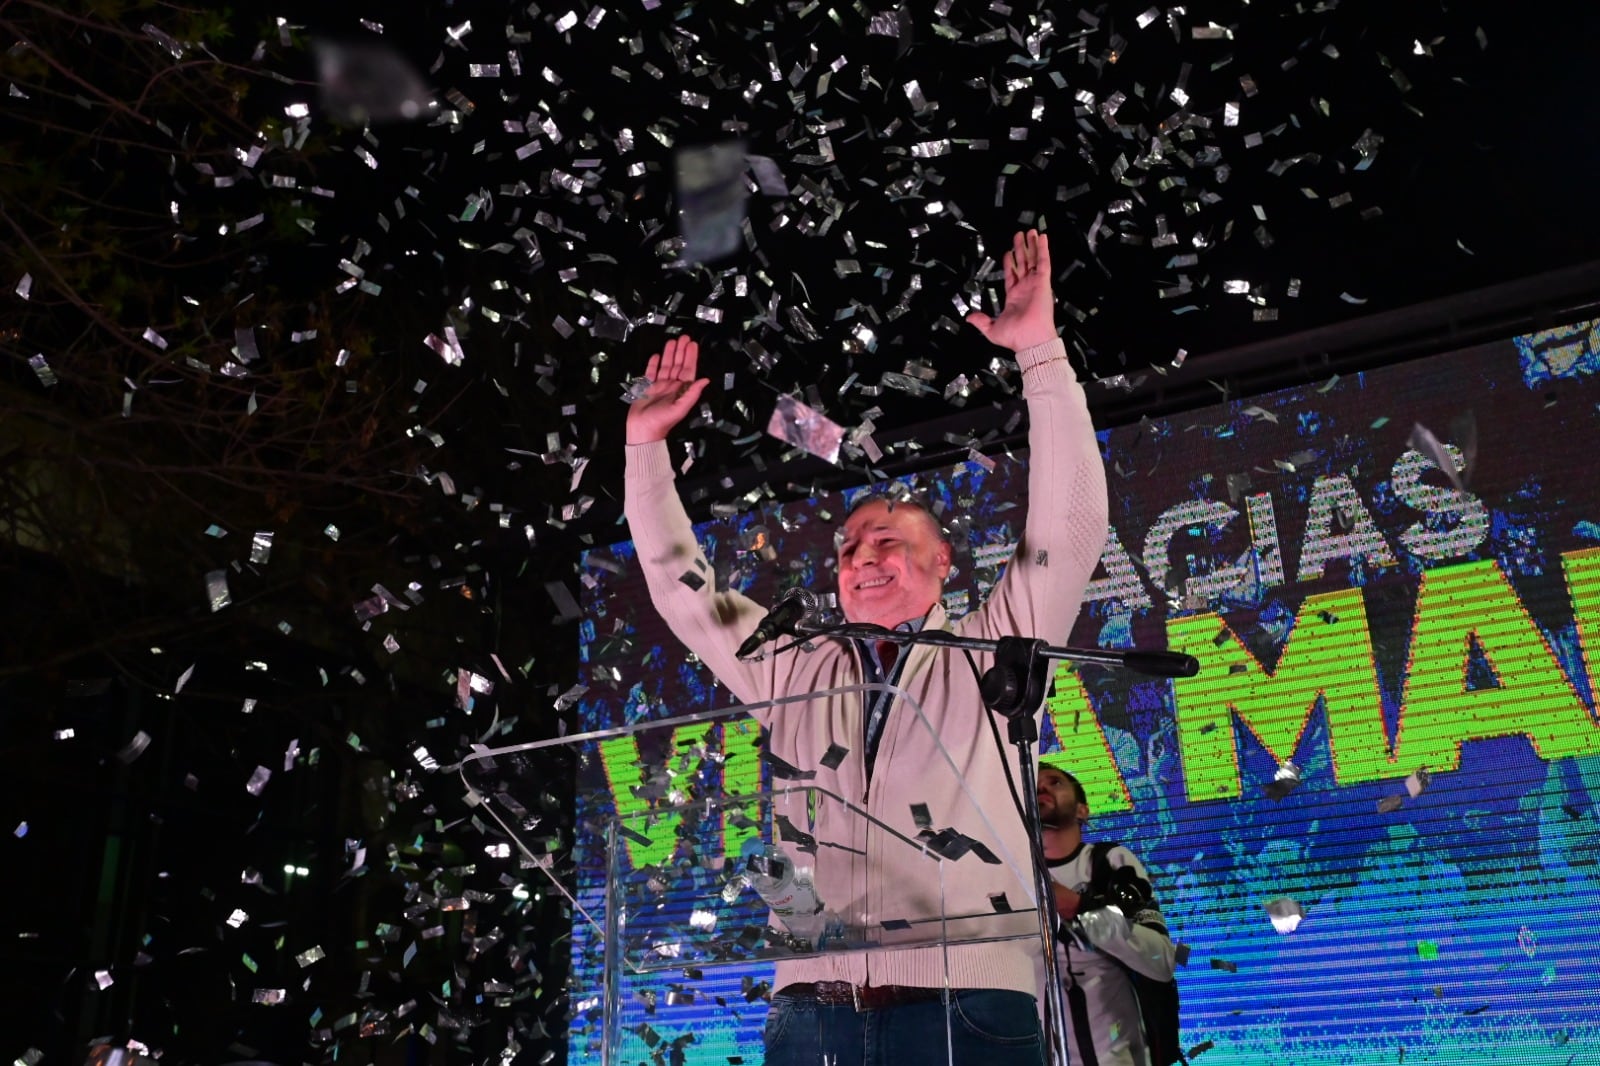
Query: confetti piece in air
[566, 604]
[635, 389]
[1423, 440]
[370, 81]
[1286, 914]
[1417, 782]
[570, 696]
[258, 780]
[1224, 964]
[834, 756]
[1390, 804]
[783, 771]
[790, 833]
[711, 200]
[134, 748]
[805, 428]
[769, 178]
[633, 834]
[1285, 781]
[261, 548]
[41, 369]
[217, 594]
[952, 845]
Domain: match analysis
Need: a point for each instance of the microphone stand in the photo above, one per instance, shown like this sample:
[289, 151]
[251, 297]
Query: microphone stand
[1015, 687]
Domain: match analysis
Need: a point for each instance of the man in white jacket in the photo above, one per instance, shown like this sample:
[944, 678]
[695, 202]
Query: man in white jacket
[1099, 944]
[850, 1008]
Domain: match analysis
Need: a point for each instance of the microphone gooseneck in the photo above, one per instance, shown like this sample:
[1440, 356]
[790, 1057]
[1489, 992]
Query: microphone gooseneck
[792, 608]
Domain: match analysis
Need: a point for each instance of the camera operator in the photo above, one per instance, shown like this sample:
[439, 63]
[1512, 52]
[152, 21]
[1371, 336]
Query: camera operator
[1111, 940]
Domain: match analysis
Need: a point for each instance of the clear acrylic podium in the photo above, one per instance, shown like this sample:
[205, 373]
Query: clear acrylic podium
[701, 853]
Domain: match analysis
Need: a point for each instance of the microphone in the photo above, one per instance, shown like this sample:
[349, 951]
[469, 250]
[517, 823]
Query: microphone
[792, 608]
[1161, 663]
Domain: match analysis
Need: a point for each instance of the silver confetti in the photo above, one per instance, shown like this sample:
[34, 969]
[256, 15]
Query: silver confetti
[134, 748]
[370, 82]
[47, 377]
[1285, 913]
[258, 781]
[805, 428]
[1284, 781]
[1423, 440]
[711, 200]
[217, 589]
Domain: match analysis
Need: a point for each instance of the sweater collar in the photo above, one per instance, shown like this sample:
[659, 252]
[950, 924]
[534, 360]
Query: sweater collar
[1068, 858]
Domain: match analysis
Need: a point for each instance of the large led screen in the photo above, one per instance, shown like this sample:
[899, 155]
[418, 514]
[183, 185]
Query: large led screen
[1393, 726]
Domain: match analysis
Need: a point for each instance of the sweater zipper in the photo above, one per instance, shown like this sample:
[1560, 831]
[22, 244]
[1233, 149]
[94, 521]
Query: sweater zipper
[885, 741]
[863, 863]
[866, 778]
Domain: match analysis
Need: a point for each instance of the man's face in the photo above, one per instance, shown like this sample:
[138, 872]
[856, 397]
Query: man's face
[892, 564]
[1058, 800]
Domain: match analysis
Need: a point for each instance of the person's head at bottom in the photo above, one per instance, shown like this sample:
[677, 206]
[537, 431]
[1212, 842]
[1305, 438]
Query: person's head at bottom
[1062, 803]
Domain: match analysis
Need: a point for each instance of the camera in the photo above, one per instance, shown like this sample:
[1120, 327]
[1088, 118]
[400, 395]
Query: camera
[1123, 889]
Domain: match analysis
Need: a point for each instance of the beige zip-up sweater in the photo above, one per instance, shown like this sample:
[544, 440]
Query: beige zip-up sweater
[872, 878]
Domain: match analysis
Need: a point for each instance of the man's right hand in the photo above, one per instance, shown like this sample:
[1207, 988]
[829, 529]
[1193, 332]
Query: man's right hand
[672, 393]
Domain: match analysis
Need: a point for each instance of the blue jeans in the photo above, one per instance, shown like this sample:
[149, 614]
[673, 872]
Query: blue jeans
[985, 1026]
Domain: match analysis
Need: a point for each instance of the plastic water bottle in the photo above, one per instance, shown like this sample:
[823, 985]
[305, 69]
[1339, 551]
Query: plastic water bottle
[791, 896]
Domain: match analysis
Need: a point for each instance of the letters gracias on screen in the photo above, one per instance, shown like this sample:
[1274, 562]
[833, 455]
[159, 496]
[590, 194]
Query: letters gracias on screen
[1328, 659]
[1454, 524]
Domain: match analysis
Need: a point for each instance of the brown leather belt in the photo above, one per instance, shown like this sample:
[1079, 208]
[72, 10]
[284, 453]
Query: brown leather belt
[861, 997]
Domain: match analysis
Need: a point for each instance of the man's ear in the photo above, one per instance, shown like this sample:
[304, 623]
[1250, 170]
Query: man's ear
[1083, 813]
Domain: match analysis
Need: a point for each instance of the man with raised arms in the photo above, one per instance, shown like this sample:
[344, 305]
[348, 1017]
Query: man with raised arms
[851, 1008]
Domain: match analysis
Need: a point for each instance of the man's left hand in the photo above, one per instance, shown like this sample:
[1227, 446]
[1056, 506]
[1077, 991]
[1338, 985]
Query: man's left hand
[1029, 315]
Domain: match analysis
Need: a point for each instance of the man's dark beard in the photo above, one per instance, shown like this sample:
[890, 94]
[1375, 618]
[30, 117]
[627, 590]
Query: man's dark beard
[1051, 820]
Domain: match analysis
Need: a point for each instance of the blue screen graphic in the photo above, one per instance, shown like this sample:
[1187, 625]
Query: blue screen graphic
[1419, 655]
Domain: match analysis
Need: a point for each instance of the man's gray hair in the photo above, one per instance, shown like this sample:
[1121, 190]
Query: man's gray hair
[901, 498]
